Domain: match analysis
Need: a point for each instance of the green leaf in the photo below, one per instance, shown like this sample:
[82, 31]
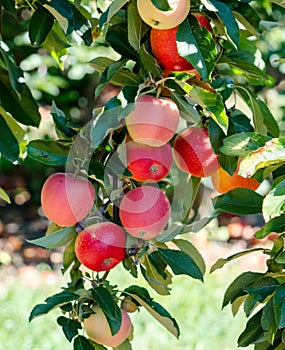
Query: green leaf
[221, 262]
[272, 153]
[268, 321]
[40, 25]
[126, 345]
[242, 143]
[148, 61]
[82, 343]
[69, 256]
[181, 263]
[188, 248]
[49, 152]
[69, 326]
[9, 146]
[247, 16]
[239, 201]
[55, 239]
[162, 5]
[252, 332]
[108, 305]
[279, 306]
[4, 196]
[187, 110]
[15, 73]
[115, 7]
[277, 224]
[136, 27]
[61, 121]
[82, 26]
[225, 13]
[196, 45]
[142, 297]
[106, 122]
[8, 5]
[274, 201]
[237, 287]
[51, 303]
[224, 86]
[22, 106]
[62, 12]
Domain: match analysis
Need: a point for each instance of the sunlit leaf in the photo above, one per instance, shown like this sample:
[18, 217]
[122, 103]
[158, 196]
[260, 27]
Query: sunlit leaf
[4, 196]
[55, 239]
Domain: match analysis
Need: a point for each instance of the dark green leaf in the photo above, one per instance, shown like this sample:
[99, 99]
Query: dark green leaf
[224, 86]
[49, 152]
[241, 122]
[69, 256]
[61, 121]
[8, 5]
[252, 332]
[136, 27]
[51, 303]
[239, 201]
[62, 12]
[55, 239]
[148, 61]
[247, 16]
[279, 306]
[108, 305]
[15, 73]
[276, 224]
[9, 146]
[40, 25]
[115, 7]
[82, 26]
[142, 297]
[69, 326]
[242, 143]
[268, 321]
[82, 343]
[181, 263]
[23, 106]
[162, 5]
[237, 287]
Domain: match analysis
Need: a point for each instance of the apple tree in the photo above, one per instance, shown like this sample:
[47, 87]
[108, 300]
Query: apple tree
[185, 107]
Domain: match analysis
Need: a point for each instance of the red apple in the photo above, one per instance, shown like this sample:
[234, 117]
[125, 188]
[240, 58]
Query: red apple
[67, 199]
[153, 121]
[101, 246]
[97, 328]
[147, 163]
[193, 152]
[160, 19]
[144, 212]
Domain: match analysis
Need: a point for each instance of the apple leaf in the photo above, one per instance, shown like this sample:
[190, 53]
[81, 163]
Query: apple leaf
[137, 28]
[237, 287]
[62, 12]
[222, 262]
[4, 196]
[49, 152]
[82, 343]
[242, 143]
[55, 239]
[272, 153]
[40, 25]
[247, 16]
[126, 345]
[162, 5]
[148, 62]
[106, 302]
[181, 263]
[277, 225]
[252, 332]
[69, 326]
[239, 201]
[61, 121]
[279, 306]
[115, 7]
[274, 201]
[51, 303]
[142, 297]
[9, 146]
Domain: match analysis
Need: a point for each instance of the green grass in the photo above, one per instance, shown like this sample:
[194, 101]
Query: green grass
[195, 306]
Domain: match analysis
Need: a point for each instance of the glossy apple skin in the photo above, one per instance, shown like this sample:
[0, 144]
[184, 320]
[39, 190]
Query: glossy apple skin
[159, 19]
[223, 182]
[144, 212]
[101, 246]
[193, 152]
[147, 163]
[154, 121]
[67, 199]
[97, 328]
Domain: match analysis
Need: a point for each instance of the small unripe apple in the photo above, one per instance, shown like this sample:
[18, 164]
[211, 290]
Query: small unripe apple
[101, 246]
[193, 152]
[144, 212]
[160, 19]
[67, 199]
[153, 121]
[97, 328]
[147, 163]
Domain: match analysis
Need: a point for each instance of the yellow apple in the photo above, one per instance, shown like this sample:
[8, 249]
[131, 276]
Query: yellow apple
[163, 19]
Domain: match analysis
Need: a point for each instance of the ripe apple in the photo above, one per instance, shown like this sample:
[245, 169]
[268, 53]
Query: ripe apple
[153, 121]
[101, 246]
[159, 19]
[193, 152]
[97, 328]
[144, 212]
[67, 199]
[224, 182]
[164, 47]
[148, 163]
